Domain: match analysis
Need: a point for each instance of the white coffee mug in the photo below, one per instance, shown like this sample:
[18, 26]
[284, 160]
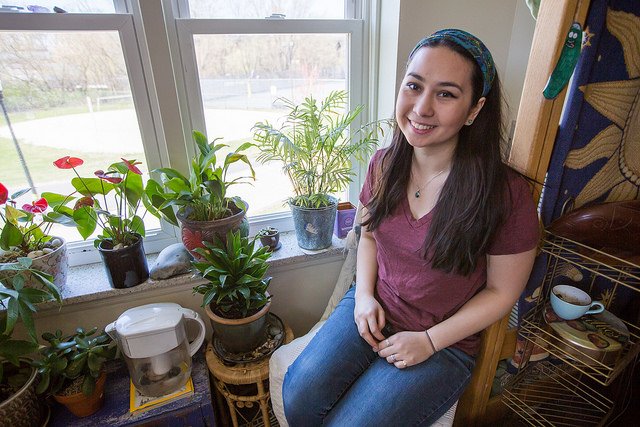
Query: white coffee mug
[569, 302]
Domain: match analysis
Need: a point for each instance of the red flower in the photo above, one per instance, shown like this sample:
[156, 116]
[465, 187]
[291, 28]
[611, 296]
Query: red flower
[84, 201]
[67, 162]
[4, 194]
[38, 206]
[105, 176]
[132, 166]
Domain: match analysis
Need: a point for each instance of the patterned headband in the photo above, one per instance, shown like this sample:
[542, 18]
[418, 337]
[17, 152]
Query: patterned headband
[471, 44]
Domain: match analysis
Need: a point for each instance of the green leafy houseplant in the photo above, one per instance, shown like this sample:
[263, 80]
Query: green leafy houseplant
[24, 231]
[316, 147]
[235, 272]
[19, 303]
[73, 363]
[109, 200]
[203, 194]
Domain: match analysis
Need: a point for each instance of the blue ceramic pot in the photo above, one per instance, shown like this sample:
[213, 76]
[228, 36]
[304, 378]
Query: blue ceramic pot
[314, 227]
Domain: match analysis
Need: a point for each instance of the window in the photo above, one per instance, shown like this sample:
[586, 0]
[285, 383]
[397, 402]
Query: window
[73, 84]
[86, 83]
[236, 69]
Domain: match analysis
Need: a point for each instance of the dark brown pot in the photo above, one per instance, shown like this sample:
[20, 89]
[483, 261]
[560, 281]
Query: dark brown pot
[126, 267]
[195, 232]
[271, 240]
[240, 335]
[83, 406]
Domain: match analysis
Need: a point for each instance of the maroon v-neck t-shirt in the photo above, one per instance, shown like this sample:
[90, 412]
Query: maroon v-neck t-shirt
[413, 295]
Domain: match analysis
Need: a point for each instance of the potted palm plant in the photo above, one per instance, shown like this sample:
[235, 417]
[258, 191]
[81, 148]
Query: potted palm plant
[109, 200]
[205, 209]
[19, 405]
[25, 232]
[316, 147]
[235, 296]
[71, 369]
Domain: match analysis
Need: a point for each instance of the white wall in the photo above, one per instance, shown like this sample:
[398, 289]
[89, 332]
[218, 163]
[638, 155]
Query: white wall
[300, 293]
[505, 26]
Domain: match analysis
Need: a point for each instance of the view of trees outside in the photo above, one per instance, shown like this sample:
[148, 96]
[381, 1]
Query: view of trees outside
[68, 93]
[244, 86]
[259, 9]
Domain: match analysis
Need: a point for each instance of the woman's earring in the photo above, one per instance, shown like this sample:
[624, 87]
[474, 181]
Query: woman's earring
[469, 122]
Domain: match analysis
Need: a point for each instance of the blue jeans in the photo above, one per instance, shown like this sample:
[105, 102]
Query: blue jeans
[338, 380]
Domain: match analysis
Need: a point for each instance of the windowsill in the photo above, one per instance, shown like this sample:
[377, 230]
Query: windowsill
[89, 282]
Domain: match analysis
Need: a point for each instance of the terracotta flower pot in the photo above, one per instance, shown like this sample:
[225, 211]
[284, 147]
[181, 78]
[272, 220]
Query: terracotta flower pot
[83, 406]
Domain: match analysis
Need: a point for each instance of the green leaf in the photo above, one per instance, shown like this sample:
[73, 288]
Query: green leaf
[137, 225]
[177, 185]
[92, 186]
[133, 188]
[10, 236]
[20, 193]
[43, 385]
[75, 367]
[86, 221]
[201, 141]
[65, 219]
[55, 200]
[88, 385]
[14, 349]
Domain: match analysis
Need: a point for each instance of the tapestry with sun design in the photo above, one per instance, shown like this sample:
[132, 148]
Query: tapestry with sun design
[596, 156]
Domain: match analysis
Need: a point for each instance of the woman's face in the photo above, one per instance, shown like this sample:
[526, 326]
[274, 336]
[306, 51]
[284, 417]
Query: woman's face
[435, 98]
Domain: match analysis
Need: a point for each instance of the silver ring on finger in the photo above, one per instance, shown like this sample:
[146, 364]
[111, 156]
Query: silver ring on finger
[393, 358]
[404, 363]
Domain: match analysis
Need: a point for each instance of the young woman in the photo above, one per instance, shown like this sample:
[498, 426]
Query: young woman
[448, 241]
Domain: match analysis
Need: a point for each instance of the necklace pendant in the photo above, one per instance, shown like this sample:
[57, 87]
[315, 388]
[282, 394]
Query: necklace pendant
[417, 194]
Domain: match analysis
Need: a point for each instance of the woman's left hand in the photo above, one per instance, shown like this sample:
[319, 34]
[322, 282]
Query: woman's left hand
[405, 349]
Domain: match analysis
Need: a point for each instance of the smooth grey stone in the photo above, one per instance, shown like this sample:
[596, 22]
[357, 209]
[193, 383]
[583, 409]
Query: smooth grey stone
[173, 260]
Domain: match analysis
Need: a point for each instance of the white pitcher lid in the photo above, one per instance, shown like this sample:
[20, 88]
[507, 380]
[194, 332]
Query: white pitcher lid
[151, 329]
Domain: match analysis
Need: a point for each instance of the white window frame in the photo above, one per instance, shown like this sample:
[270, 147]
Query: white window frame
[189, 89]
[83, 252]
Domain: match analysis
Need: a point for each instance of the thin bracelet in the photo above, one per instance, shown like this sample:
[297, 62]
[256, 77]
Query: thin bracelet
[431, 342]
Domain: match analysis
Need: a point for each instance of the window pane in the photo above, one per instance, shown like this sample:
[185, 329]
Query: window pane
[66, 94]
[71, 6]
[241, 76]
[260, 9]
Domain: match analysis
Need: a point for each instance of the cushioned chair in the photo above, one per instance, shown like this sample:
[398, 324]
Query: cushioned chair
[285, 355]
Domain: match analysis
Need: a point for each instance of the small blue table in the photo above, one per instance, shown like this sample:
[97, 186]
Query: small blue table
[195, 410]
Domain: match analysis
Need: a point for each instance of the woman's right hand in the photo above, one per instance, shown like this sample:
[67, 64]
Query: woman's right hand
[369, 318]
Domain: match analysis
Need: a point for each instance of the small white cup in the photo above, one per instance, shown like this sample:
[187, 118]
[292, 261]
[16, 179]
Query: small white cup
[570, 303]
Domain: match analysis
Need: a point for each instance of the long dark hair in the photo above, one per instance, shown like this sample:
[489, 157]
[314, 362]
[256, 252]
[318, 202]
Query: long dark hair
[472, 202]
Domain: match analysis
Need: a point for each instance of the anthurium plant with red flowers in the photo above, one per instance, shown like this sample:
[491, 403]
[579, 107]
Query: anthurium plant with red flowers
[25, 230]
[110, 200]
